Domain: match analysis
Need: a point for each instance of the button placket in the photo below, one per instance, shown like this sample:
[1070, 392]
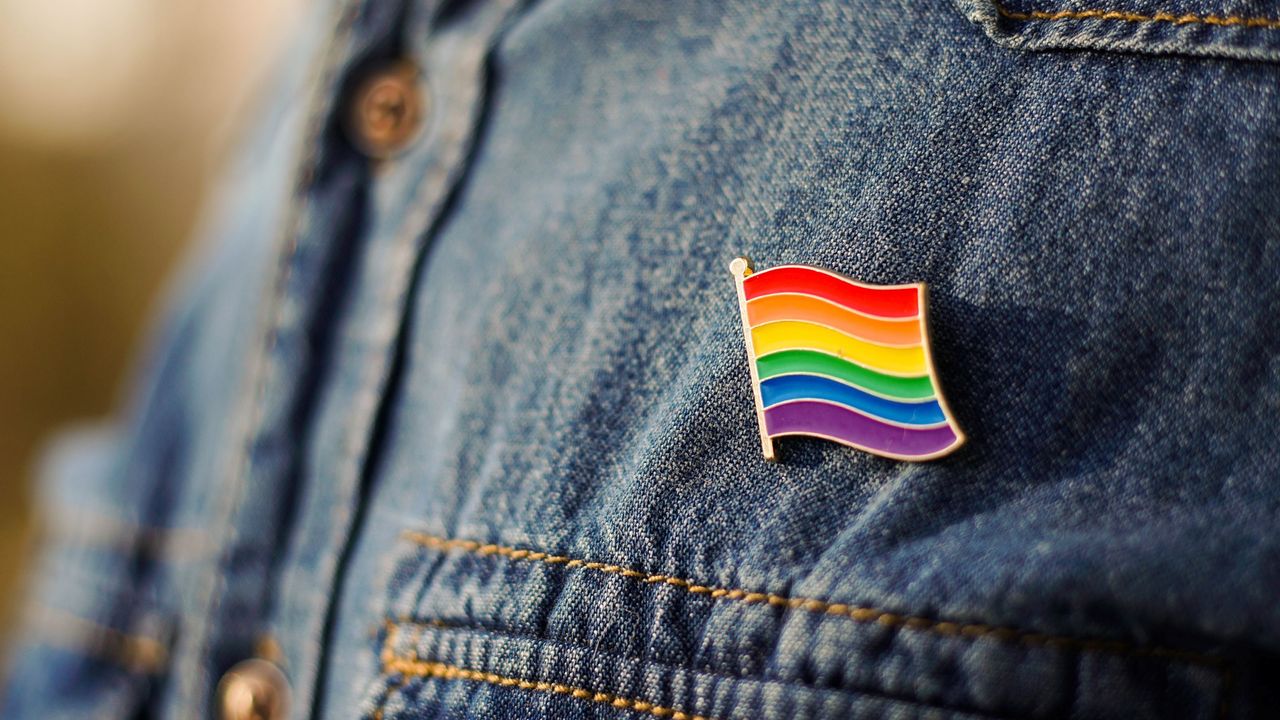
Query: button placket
[408, 191]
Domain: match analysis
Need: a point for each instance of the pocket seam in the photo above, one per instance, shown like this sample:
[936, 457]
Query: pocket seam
[857, 613]
[417, 629]
[412, 666]
[135, 652]
[1248, 23]
[1106, 26]
[79, 528]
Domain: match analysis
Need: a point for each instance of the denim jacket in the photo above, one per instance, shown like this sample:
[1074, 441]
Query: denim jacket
[469, 431]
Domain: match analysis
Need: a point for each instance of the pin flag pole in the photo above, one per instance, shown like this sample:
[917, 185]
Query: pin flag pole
[741, 269]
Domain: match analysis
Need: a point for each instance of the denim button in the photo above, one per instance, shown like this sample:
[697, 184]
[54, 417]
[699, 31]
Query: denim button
[386, 110]
[253, 690]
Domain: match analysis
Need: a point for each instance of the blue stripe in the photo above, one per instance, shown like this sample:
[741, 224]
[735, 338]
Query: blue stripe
[813, 387]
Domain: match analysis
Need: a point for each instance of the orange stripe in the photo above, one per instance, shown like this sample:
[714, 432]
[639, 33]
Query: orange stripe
[788, 306]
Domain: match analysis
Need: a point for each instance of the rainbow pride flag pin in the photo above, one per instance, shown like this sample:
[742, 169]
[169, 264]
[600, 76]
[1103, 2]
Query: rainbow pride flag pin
[840, 360]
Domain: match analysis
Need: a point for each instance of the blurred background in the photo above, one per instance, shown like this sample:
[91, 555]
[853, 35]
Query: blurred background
[115, 117]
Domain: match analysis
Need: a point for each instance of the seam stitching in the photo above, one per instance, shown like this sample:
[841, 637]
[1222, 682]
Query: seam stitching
[411, 666]
[339, 22]
[445, 671]
[134, 652]
[420, 627]
[1264, 23]
[388, 656]
[91, 530]
[857, 613]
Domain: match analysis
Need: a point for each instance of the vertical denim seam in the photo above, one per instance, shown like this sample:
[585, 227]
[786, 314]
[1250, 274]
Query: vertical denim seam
[342, 21]
[388, 329]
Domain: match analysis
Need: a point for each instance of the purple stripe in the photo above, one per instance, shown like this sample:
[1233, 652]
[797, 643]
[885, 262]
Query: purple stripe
[807, 417]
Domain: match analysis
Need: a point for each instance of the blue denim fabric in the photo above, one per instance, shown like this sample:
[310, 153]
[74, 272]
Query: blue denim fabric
[469, 432]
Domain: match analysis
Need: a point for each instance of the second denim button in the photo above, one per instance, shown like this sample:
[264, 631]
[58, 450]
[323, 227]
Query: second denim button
[254, 690]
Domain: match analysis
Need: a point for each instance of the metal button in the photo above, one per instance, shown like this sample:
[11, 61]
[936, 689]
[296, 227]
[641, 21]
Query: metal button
[253, 690]
[386, 111]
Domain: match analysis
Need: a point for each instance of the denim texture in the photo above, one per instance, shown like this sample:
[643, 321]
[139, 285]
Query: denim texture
[469, 432]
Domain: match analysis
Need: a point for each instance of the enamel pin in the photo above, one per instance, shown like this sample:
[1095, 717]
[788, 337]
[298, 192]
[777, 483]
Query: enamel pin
[836, 359]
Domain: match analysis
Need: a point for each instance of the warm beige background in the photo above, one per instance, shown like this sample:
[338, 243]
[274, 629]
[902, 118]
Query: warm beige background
[114, 116]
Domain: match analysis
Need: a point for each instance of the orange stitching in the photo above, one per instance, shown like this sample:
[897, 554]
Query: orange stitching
[1186, 19]
[388, 652]
[856, 613]
[387, 656]
[428, 669]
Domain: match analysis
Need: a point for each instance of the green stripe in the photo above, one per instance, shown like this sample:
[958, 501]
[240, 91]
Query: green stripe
[819, 363]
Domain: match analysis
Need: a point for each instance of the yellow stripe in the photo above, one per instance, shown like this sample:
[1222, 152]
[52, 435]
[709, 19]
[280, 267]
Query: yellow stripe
[798, 335]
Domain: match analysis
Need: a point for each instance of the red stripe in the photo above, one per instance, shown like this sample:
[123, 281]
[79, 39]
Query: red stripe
[889, 302]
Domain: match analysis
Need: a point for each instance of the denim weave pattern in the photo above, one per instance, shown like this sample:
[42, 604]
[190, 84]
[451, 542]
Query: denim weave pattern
[493, 451]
